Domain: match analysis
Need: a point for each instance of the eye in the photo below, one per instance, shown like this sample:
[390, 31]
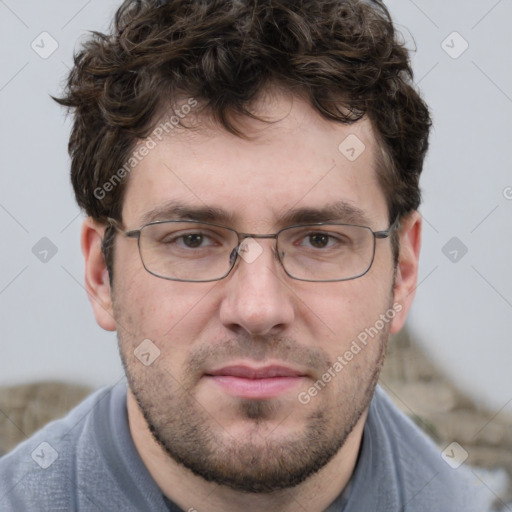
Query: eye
[187, 240]
[322, 240]
[193, 240]
[319, 240]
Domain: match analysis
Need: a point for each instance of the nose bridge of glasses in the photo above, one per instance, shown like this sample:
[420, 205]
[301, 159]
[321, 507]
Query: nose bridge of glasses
[244, 240]
[243, 236]
[248, 248]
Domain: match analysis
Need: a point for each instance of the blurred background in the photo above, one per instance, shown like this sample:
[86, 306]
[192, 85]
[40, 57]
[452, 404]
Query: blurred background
[458, 334]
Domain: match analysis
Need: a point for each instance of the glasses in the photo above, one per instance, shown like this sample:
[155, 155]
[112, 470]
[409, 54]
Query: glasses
[186, 250]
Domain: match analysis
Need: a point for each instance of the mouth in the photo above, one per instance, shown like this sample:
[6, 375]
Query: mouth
[257, 383]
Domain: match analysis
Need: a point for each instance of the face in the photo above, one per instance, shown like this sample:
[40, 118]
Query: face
[254, 386]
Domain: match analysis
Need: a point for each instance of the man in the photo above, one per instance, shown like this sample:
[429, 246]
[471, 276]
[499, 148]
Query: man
[249, 171]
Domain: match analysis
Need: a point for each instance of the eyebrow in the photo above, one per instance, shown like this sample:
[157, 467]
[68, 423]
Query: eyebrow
[175, 210]
[340, 211]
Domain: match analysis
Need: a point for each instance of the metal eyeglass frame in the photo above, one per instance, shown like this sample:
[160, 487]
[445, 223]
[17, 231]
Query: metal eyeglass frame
[135, 233]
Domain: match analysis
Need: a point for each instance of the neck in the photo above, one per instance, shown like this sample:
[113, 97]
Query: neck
[191, 492]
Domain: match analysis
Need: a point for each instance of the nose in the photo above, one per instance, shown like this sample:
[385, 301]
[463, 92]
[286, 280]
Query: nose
[256, 297]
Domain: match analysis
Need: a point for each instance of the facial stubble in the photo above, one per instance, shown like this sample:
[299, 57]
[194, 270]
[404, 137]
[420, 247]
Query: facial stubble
[256, 462]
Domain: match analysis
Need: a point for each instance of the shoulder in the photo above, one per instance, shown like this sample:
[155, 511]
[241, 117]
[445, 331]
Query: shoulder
[39, 473]
[425, 479]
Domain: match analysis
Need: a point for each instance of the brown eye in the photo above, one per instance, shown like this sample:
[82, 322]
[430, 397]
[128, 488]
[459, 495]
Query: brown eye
[193, 240]
[319, 240]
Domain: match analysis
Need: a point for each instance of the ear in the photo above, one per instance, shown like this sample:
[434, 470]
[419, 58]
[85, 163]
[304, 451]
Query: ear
[407, 270]
[97, 282]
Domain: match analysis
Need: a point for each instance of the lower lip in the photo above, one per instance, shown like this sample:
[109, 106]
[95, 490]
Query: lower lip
[255, 388]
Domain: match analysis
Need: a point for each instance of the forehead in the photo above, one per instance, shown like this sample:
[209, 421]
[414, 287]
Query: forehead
[300, 162]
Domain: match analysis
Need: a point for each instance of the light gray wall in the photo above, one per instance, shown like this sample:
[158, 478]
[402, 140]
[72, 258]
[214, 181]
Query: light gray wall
[463, 310]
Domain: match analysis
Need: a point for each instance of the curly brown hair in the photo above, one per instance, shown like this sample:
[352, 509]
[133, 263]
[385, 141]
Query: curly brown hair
[343, 56]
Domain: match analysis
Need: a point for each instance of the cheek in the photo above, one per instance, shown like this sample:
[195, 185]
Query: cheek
[340, 311]
[169, 313]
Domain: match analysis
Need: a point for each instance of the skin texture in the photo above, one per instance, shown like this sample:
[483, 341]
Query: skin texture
[206, 448]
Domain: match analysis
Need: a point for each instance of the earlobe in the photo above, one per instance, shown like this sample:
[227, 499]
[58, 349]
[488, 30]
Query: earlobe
[97, 282]
[407, 270]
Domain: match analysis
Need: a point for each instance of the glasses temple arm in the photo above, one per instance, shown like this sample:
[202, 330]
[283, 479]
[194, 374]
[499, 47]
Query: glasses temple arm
[384, 234]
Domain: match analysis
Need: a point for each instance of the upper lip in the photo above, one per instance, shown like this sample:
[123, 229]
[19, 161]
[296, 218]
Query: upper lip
[247, 372]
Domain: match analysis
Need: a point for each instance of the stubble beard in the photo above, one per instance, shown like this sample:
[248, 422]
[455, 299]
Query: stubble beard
[253, 463]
